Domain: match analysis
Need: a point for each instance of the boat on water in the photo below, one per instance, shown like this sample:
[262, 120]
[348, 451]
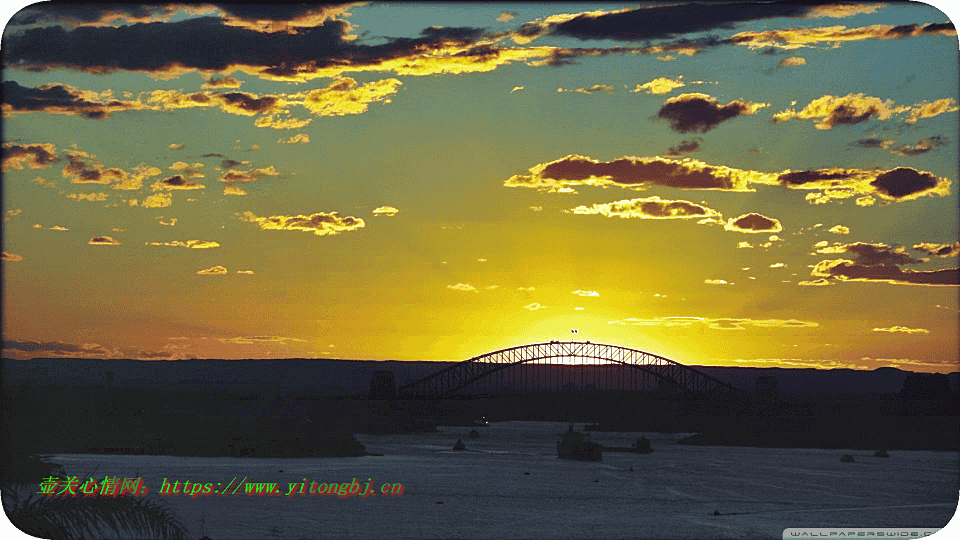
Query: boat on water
[642, 446]
[576, 445]
[459, 445]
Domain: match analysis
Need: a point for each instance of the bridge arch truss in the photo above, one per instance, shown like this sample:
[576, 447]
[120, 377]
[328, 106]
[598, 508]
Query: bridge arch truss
[559, 366]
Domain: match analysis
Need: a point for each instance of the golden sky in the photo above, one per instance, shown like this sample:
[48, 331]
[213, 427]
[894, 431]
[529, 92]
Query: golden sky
[773, 185]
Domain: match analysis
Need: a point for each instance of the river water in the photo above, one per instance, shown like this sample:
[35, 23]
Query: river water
[483, 492]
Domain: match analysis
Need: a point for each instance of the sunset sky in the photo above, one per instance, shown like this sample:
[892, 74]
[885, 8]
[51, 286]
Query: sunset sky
[722, 184]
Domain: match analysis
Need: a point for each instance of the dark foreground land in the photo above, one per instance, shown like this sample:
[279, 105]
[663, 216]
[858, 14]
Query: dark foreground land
[197, 418]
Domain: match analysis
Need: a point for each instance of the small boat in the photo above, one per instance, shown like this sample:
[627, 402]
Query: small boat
[642, 446]
[459, 445]
[576, 445]
[474, 434]
[482, 422]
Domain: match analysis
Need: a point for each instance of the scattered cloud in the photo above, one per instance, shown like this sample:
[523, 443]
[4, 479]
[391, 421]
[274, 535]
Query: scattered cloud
[250, 340]
[880, 263]
[59, 98]
[856, 108]
[298, 138]
[385, 211]
[839, 229]
[816, 282]
[797, 38]
[586, 293]
[903, 329]
[516, 89]
[462, 287]
[792, 61]
[11, 257]
[213, 271]
[685, 146]
[717, 324]
[506, 16]
[940, 250]
[921, 147]
[534, 306]
[873, 142]
[231, 189]
[777, 265]
[660, 85]
[320, 224]
[177, 182]
[92, 197]
[191, 244]
[175, 146]
[103, 241]
[716, 282]
[221, 82]
[36, 156]
[753, 223]
[158, 200]
[700, 113]
[647, 208]
[245, 272]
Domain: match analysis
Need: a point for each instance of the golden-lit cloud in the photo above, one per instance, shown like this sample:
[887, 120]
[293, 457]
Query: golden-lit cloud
[103, 241]
[298, 138]
[221, 82]
[385, 211]
[191, 244]
[465, 287]
[880, 263]
[188, 170]
[284, 18]
[716, 282]
[344, 96]
[701, 113]
[506, 16]
[940, 250]
[792, 61]
[534, 306]
[839, 229]
[11, 257]
[753, 223]
[35, 156]
[231, 189]
[797, 38]
[234, 176]
[586, 293]
[921, 147]
[716, 324]
[902, 329]
[516, 89]
[83, 169]
[250, 340]
[816, 283]
[900, 184]
[743, 245]
[636, 173]
[857, 108]
[213, 271]
[176, 182]
[92, 197]
[158, 200]
[320, 224]
[57, 98]
[647, 208]
[245, 272]
[660, 85]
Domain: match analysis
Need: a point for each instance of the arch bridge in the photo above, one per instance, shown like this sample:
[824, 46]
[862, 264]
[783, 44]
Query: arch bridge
[565, 366]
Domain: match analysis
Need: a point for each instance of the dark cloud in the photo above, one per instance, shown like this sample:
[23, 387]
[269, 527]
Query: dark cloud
[685, 146]
[214, 155]
[53, 347]
[59, 98]
[665, 22]
[881, 262]
[82, 169]
[177, 181]
[37, 156]
[873, 254]
[799, 178]
[86, 13]
[903, 182]
[846, 270]
[629, 172]
[921, 147]
[872, 142]
[700, 113]
[248, 103]
[103, 241]
[753, 223]
[940, 250]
